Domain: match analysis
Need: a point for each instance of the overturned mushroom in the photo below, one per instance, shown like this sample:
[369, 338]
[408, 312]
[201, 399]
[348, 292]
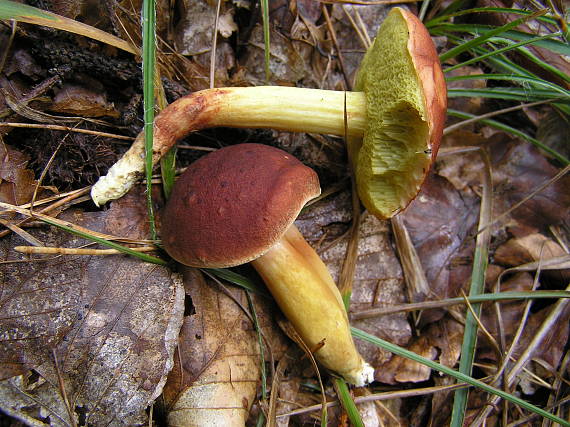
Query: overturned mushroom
[238, 205]
[394, 119]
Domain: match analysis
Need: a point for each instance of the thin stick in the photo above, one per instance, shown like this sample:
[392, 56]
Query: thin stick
[463, 123]
[45, 171]
[366, 3]
[400, 394]
[48, 250]
[336, 45]
[65, 129]
[68, 198]
[213, 50]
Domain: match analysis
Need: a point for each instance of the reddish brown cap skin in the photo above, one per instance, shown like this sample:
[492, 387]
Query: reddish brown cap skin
[428, 68]
[232, 205]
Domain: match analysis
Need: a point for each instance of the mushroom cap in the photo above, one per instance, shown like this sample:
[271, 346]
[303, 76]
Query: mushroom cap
[231, 206]
[406, 101]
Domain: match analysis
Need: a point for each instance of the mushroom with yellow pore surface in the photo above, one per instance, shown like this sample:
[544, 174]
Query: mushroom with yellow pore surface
[237, 205]
[394, 118]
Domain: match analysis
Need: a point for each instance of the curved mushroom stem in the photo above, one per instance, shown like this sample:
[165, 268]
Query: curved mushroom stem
[306, 293]
[282, 108]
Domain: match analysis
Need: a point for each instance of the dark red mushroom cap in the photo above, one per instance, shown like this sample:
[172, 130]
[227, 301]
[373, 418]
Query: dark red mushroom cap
[233, 205]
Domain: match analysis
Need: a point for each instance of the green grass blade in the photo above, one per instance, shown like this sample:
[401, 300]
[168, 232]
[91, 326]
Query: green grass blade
[266, 38]
[523, 80]
[400, 351]
[512, 131]
[237, 279]
[260, 343]
[544, 65]
[31, 15]
[113, 245]
[468, 45]
[506, 93]
[168, 171]
[149, 64]
[485, 30]
[508, 48]
[347, 402]
[476, 288]
[448, 14]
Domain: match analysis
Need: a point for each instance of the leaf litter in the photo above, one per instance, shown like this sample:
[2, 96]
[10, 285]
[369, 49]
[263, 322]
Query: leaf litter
[93, 328]
[97, 324]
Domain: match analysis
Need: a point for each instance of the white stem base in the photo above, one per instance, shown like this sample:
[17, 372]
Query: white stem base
[283, 108]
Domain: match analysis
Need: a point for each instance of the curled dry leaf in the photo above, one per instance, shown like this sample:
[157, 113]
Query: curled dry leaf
[529, 248]
[83, 101]
[110, 323]
[441, 341]
[217, 364]
[17, 183]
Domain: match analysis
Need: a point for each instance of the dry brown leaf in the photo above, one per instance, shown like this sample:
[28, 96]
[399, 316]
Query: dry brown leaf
[17, 184]
[217, 364]
[110, 323]
[441, 341]
[286, 65]
[529, 248]
[83, 101]
[518, 169]
[440, 221]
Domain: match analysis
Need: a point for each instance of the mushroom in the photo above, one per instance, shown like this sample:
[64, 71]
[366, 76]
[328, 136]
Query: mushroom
[394, 119]
[237, 205]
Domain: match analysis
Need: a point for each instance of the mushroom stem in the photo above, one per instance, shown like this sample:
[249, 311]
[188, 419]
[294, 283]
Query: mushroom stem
[284, 108]
[306, 293]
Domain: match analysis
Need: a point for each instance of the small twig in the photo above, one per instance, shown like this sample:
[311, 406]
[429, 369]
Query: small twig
[68, 197]
[61, 385]
[336, 45]
[463, 123]
[45, 171]
[367, 3]
[363, 38]
[8, 44]
[65, 129]
[400, 394]
[48, 250]
[214, 43]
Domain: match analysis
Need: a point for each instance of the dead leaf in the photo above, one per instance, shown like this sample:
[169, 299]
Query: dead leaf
[529, 248]
[217, 364]
[110, 323]
[441, 341]
[17, 184]
[440, 221]
[518, 169]
[83, 101]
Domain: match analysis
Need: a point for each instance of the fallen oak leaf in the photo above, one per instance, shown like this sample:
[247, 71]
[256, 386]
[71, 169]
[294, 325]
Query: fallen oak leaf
[95, 324]
[217, 363]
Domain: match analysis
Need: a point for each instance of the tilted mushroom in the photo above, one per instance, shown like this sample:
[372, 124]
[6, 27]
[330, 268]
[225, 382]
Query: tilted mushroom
[237, 205]
[394, 119]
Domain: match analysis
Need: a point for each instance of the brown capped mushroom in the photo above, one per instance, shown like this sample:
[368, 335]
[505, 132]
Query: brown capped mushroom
[237, 205]
[394, 118]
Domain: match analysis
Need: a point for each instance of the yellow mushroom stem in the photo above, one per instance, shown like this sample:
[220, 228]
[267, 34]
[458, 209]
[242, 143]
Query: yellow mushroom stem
[276, 107]
[306, 293]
